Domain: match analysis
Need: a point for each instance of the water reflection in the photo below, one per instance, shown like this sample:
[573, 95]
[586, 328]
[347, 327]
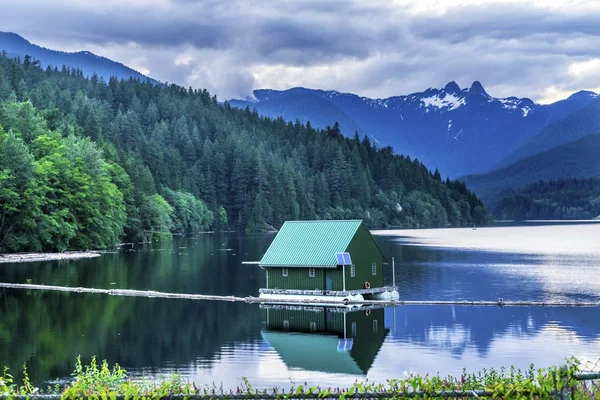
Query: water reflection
[326, 339]
[49, 330]
[223, 342]
[448, 339]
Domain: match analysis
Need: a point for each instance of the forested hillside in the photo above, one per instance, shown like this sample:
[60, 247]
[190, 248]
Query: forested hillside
[578, 159]
[460, 131]
[559, 199]
[86, 164]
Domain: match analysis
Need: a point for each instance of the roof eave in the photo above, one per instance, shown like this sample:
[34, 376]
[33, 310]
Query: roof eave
[297, 266]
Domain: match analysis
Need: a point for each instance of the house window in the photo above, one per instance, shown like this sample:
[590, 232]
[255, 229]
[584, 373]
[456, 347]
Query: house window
[374, 268]
[284, 271]
[311, 272]
[353, 329]
[286, 324]
[375, 326]
[313, 326]
[353, 270]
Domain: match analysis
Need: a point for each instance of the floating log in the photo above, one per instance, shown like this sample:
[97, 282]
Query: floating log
[31, 257]
[251, 299]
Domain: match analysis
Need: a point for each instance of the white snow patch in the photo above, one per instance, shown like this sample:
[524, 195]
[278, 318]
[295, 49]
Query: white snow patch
[449, 100]
[449, 124]
[525, 111]
[510, 104]
[377, 103]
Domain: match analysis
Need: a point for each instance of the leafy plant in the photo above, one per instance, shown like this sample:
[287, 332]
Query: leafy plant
[102, 382]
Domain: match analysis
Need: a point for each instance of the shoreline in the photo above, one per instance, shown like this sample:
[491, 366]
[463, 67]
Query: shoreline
[36, 257]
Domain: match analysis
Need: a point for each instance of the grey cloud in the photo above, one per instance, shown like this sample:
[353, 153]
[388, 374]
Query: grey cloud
[504, 22]
[371, 48]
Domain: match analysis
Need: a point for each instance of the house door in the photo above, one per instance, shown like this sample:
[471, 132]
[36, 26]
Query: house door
[328, 279]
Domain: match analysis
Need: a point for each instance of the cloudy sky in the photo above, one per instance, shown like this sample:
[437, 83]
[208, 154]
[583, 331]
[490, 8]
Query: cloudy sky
[542, 49]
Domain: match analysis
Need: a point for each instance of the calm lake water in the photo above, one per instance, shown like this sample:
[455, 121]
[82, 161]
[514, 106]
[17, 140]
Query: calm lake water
[223, 342]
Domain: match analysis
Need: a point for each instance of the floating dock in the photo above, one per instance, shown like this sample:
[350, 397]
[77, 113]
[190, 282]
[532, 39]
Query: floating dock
[325, 297]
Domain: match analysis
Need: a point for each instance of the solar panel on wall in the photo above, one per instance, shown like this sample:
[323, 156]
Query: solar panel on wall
[347, 260]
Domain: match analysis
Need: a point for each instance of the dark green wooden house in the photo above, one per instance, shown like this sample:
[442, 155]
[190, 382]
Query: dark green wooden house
[324, 256]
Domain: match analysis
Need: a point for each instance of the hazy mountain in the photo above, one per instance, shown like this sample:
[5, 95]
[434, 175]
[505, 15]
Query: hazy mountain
[16, 46]
[460, 131]
[582, 122]
[578, 159]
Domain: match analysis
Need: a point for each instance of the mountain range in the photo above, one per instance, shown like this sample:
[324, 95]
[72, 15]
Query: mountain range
[16, 46]
[459, 131]
[577, 159]
[492, 143]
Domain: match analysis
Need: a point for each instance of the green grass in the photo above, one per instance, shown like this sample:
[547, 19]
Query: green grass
[102, 382]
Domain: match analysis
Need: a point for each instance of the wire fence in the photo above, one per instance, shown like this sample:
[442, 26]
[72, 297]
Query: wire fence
[588, 378]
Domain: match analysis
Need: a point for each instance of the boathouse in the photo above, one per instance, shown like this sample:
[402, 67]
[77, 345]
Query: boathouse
[326, 257]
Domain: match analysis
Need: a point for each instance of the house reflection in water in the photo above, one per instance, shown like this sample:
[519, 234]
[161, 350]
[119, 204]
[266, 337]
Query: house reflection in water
[332, 340]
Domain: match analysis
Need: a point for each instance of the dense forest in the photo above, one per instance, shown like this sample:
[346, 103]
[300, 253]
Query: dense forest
[86, 164]
[558, 199]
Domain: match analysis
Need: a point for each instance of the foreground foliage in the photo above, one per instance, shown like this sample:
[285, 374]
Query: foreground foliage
[86, 163]
[102, 382]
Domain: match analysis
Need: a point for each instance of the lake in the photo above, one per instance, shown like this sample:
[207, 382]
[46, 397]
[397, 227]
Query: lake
[218, 342]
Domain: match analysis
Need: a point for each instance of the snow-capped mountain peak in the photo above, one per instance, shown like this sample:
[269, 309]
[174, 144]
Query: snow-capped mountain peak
[459, 130]
[444, 100]
[477, 89]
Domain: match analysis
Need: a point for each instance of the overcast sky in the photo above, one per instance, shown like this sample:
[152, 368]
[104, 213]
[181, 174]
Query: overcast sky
[544, 50]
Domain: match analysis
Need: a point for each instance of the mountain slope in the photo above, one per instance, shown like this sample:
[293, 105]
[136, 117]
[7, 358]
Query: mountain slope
[306, 106]
[582, 122]
[460, 131]
[578, 159]
[86, 163]
[16, 46]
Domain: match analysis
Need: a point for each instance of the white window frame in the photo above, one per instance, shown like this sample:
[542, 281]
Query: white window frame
[286, 324]
[375, 326]
[313, 326]
[311, 273]
[284, 271]
[374, 268]
[353, 329]
[353, 270]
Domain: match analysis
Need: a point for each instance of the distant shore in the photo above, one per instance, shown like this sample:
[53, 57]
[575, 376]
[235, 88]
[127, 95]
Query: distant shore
[32, 257]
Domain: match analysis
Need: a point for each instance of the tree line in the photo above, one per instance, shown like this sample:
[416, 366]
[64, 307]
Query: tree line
[557, 199]
[86, 163]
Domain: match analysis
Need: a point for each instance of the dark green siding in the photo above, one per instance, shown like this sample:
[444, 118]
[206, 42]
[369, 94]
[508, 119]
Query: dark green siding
[300, 321]
[297, 278]
[364, 251]
[298, 351]
[368, 340]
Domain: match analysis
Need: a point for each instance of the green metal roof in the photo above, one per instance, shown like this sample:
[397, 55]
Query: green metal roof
[312, 352]
[310, 243]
